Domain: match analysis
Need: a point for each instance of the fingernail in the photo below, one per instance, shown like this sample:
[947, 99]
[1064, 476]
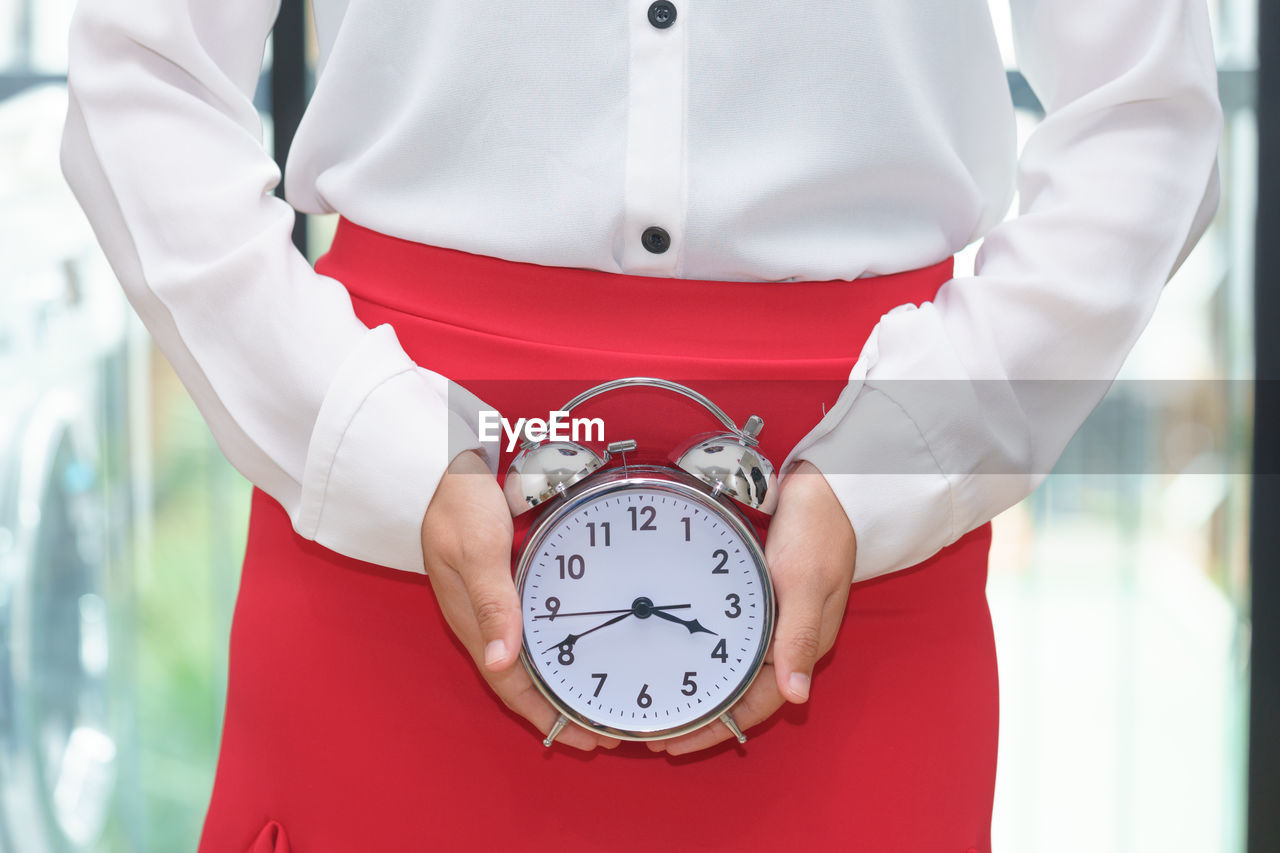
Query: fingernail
[496, 651]
[800, 685]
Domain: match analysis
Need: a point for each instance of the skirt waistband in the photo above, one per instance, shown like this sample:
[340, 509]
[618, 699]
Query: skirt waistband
[594, 309]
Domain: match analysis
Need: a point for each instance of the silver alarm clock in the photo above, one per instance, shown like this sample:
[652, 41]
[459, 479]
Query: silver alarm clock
[647, 603]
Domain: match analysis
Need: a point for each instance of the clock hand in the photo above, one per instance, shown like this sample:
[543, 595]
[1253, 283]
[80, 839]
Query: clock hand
[641, 607]
[573, 638]
[559, 615]
[693, 625]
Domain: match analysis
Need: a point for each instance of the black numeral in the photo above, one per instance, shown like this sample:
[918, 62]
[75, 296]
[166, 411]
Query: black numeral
[602, 676]
[724, 558]
[649, 513]
[553, 606]
[735, 609]
[720, 652]
[591, 531]
[566, 654]
[686, 528]
[644, 700]
[690, 686]
[574, 566]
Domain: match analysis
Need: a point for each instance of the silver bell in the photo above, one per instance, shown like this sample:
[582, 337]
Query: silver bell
[732, 467]
[540, 472]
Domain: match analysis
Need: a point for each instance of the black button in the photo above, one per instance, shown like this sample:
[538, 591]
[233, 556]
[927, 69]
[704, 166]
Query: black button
[656, 239]
[662, 14]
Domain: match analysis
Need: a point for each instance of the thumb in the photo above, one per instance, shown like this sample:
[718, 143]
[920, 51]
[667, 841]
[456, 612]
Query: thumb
[797, 639]
[496, 607]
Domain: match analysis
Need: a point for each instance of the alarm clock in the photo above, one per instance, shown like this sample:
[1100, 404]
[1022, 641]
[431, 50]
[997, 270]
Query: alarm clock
[647, 605]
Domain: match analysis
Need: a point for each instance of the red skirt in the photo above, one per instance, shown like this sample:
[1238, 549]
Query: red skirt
[355, 722]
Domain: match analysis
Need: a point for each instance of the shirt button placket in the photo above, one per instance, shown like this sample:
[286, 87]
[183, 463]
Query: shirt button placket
[655, 196]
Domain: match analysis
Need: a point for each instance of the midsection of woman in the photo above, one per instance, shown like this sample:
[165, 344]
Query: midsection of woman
[356, 722]
[637, 164]
[692, 140]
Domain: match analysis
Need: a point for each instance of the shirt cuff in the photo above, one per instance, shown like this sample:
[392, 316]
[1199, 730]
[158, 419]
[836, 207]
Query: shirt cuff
[386, 432]
[884, 474]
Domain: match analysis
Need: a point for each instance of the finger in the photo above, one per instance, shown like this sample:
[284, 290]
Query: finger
[513, 685]
[518, 693]
[797, 641]
[759, 703]
[491, 593]
[468, 528]
[832, 617]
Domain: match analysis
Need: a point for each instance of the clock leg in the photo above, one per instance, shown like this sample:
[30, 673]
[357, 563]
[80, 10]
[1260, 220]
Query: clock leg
[729, 721]
[556, 729]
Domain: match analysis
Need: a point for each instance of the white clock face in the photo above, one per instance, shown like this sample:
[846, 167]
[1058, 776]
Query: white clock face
[645, 608]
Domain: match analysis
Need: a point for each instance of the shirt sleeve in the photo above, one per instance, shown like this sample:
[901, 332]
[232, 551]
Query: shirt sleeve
[163, 149]
[955, 409]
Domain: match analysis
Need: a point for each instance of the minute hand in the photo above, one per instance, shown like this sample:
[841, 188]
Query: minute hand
[568, 641]
[693, 625]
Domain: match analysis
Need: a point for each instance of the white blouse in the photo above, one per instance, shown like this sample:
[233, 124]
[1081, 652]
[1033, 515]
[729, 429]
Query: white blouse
[806, 140]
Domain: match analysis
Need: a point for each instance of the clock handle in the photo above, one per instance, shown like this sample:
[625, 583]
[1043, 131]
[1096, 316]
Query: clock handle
[747, 433]
[749, 478]
[728, 462]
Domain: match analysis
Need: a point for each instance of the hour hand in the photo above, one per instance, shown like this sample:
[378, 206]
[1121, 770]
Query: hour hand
[693, 625]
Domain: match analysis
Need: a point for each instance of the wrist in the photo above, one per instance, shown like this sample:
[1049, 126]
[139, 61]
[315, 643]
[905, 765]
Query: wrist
[808, 487]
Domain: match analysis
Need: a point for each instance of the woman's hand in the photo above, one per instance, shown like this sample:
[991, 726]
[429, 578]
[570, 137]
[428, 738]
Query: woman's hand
[466, 544]
[810, 551]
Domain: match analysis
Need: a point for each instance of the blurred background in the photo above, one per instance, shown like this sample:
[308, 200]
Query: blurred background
[1120, 590]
